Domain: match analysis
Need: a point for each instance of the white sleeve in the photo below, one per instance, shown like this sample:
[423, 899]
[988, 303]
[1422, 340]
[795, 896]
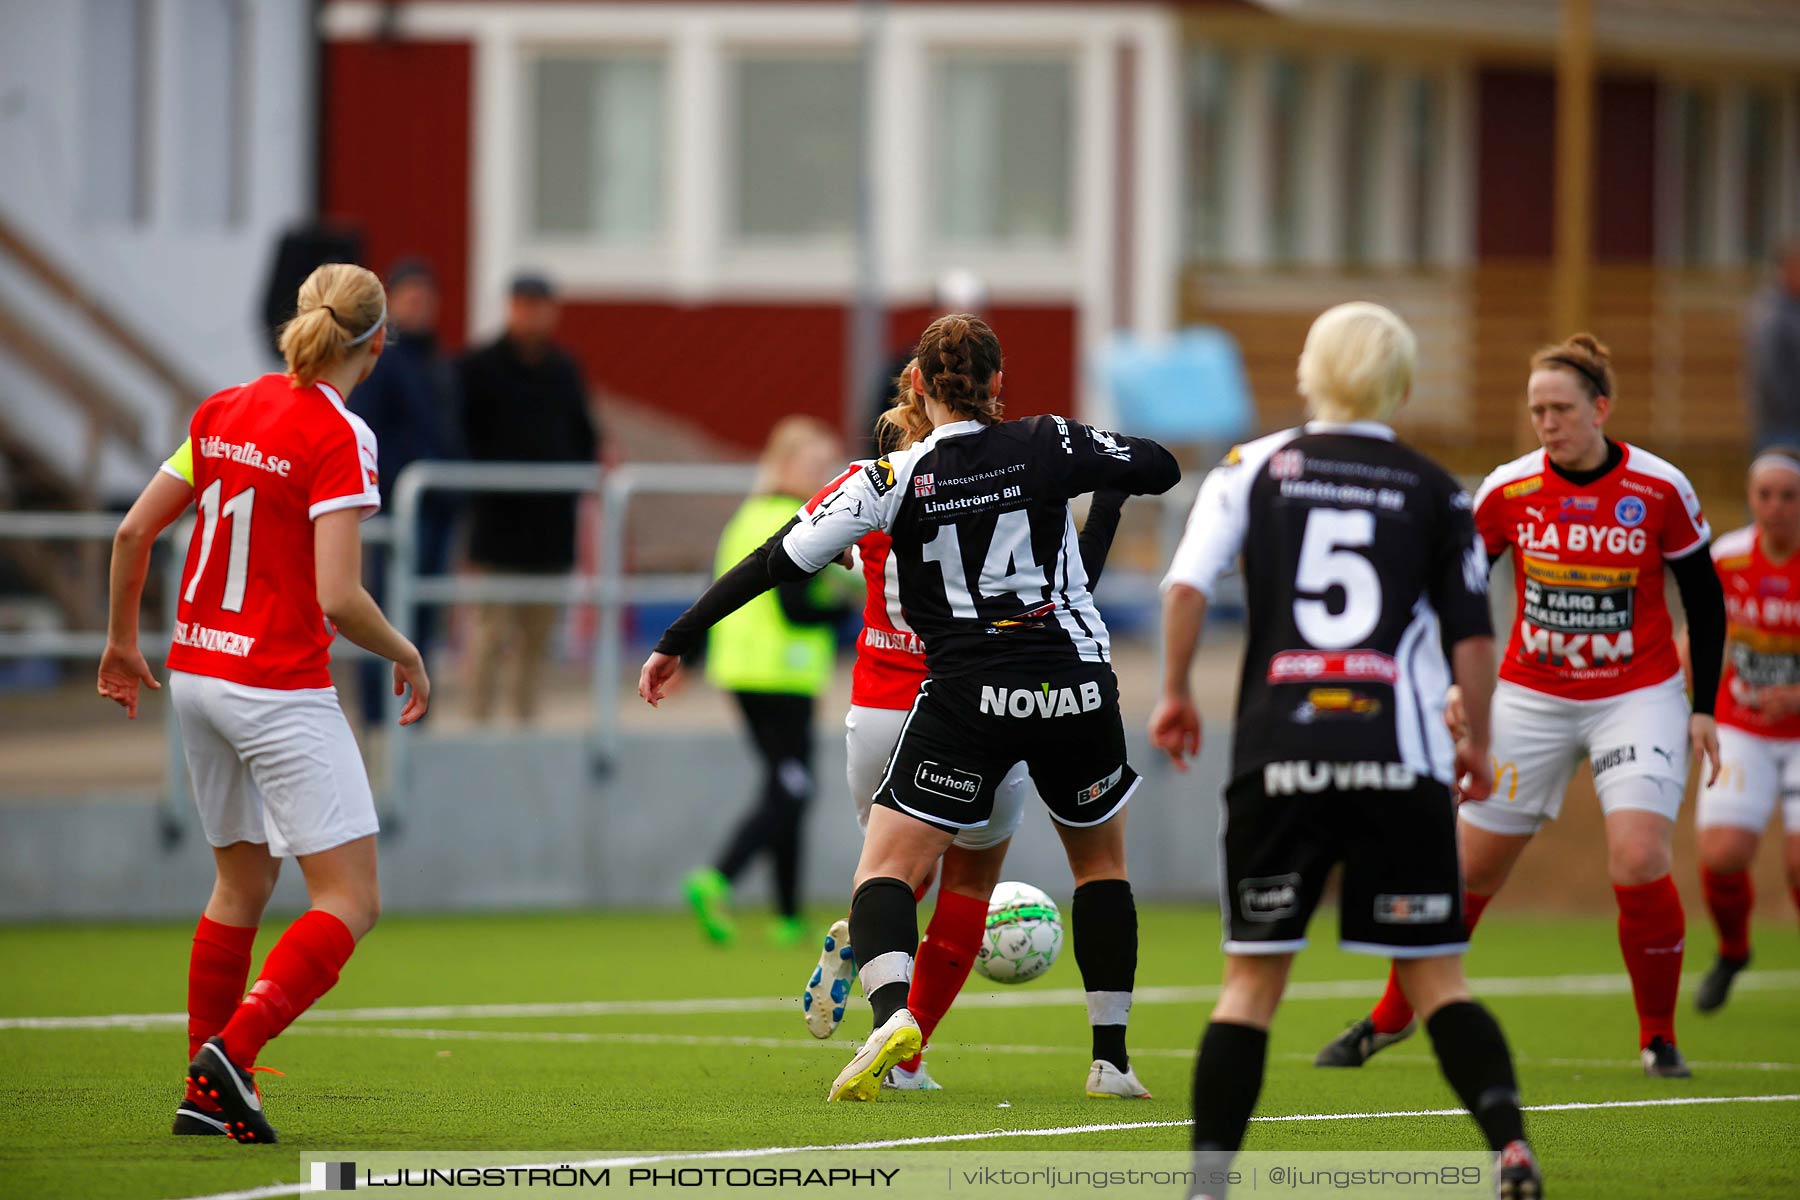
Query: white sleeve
[863, 500]
[1215, 529]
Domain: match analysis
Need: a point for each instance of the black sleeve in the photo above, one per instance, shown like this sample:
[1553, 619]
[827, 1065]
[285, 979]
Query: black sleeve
[1704, 602]
[799, 607]
[1458, 581]
[1085, 459]
[751, 577]
[1097, 531]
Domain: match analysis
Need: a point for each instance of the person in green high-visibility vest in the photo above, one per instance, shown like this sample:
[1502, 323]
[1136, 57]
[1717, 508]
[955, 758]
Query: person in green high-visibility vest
[774, 656]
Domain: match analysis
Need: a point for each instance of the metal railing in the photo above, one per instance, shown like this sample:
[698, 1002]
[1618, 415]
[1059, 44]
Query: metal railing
[613, 587]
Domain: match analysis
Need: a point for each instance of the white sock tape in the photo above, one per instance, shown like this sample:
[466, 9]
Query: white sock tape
[1108, 1008]
[893, 967]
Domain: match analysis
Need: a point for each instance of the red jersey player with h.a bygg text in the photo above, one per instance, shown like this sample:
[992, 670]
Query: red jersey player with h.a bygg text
[1588, 570]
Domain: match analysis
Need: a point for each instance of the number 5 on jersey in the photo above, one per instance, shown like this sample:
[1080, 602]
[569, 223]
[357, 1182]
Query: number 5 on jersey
[237, 569]
[1328, 559]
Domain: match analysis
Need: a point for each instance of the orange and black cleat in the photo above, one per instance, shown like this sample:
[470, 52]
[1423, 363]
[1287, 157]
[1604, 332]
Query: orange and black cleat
[234, 1089]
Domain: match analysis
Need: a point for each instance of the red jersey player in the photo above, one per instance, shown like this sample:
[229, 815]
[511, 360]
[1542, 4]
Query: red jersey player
[283, 474]
[1759, 712]
[1590, 671]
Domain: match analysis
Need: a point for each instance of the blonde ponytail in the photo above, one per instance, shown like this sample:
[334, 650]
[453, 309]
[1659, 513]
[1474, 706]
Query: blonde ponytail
[904, 421]
[340, 307]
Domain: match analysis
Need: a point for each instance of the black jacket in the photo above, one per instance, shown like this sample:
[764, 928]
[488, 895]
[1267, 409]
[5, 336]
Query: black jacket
[520, 410]
[409, 402]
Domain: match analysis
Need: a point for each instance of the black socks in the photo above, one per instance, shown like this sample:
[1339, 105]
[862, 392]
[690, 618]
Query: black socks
[884, 932]
[1227, 1079]
[1103, 922]
[1474, 1057]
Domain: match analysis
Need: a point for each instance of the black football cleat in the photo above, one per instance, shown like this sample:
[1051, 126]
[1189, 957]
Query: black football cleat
[233, 1089]
[1359, 1043]
[1663, 1061]
[1715, 988]
[193, 1121]
[1519, 1175]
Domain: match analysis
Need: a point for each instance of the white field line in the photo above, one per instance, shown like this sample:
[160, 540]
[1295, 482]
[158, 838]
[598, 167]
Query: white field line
[296, 1189]
[413, 1033]
[1334, 989]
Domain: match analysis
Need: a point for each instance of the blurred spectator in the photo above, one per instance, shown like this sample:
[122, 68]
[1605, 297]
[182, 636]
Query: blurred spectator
[523, 401]
[409, 400]
[774, 655]
[956, 290]
[1772, 369]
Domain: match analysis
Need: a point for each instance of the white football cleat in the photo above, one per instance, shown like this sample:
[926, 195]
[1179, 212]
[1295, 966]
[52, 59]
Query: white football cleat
[822, 1003]
[902, 1080]
[897, 1040]
[1107, 1082]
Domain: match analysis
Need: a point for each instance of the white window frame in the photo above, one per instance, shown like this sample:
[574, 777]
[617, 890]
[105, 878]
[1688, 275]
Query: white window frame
[698, 261]
[1725, 241]
[1248, 242]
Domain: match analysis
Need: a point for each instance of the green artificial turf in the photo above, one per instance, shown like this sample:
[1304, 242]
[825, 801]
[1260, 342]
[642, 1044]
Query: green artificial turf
[85, 1112]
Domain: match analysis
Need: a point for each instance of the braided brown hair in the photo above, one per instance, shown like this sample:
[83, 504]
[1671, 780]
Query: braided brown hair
[959, 356]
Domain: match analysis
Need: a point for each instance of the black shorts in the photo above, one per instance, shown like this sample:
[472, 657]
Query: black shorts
[1394, 832]
[963, 735]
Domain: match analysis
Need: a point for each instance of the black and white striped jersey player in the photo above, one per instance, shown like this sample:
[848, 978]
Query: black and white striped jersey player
[1019, 670]
[991, 578]
[1361, 563]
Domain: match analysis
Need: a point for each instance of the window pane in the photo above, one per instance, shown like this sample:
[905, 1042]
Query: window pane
[1424, 106]
[1362, 142]
[1287, 107]
[213, 50]
[1698, 197]
[1000, 148]
[1210, 75]
[113, 90]
[797, 141]
[1762, 175]
[597, 165]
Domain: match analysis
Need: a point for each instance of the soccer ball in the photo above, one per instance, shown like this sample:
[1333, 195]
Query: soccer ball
[1024, 933]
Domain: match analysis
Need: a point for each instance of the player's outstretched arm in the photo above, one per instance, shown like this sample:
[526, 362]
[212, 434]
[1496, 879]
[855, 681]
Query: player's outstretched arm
[1472, 665]
[122, 666]
[745, 581]
[1175, 723]
[337, 565]
[836, 518]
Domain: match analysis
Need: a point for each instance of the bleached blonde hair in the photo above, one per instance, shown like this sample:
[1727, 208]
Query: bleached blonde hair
[1357, 364]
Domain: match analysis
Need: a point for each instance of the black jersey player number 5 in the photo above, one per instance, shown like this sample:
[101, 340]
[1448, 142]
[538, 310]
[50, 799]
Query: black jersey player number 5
[1330, 558]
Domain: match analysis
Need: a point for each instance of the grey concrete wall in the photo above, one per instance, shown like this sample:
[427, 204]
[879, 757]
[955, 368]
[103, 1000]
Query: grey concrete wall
[517, 822]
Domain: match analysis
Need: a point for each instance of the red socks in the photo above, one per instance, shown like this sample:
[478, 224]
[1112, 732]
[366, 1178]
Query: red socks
[1729, 897]
[946, 954]
[302, 967]
[1652, 930]
[1392, 1012]
[218, 968]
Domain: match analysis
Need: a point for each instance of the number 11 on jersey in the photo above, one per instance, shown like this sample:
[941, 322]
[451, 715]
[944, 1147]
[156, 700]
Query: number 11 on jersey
[237, 568]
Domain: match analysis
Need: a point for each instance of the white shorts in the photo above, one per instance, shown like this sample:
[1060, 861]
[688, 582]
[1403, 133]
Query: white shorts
[1637, 743]
[1754, 773]
[271, 765]
[870, 736]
